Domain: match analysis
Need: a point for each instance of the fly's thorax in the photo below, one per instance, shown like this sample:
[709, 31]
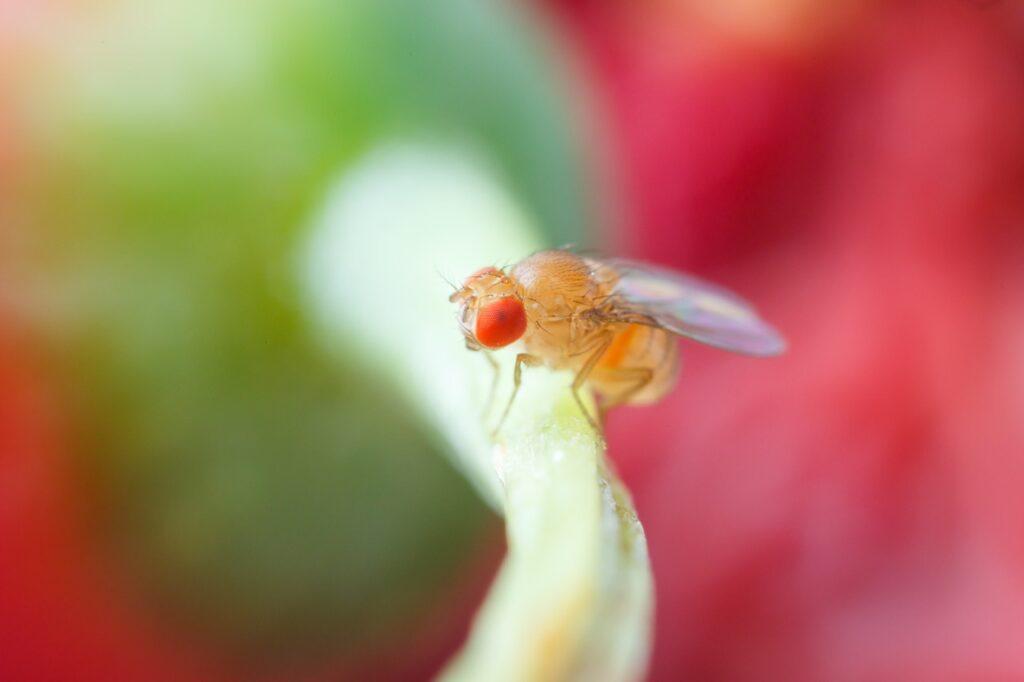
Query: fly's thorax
[549, 340]
[560, 291]
[558, 281]
[558, 285]
[562, 337]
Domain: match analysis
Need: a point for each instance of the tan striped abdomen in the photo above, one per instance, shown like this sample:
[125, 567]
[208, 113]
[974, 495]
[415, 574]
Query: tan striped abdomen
[637, 346]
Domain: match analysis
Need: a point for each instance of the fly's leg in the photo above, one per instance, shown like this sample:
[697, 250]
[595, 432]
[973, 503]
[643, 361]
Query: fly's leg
[494, 379]
[640, 376]
[601, 342]
[517, 378]
[494, 384]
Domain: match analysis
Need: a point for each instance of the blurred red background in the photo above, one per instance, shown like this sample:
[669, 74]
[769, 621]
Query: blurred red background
[856, 513]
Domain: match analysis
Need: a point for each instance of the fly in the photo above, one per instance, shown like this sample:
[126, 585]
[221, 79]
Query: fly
[612, 322]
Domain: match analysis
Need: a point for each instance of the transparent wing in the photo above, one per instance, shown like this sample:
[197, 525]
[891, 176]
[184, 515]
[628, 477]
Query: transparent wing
[690, 307]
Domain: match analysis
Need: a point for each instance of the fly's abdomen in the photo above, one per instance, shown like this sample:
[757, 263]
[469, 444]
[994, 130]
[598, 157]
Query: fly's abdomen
[636, 348]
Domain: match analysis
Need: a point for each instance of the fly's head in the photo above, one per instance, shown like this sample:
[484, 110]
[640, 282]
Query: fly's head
[490, 312]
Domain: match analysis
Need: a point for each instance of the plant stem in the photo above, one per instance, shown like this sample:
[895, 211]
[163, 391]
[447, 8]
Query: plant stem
[573, 598]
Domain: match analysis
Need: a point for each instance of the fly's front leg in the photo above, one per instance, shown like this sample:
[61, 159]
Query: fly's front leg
[517, 378]
[494, 384]
[600, 345]
[494, 379]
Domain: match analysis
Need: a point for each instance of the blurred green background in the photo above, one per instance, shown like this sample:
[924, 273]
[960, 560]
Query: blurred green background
[274, 499]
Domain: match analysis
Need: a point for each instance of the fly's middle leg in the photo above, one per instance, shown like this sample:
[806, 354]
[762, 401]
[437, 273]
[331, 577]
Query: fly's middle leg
[600, 345]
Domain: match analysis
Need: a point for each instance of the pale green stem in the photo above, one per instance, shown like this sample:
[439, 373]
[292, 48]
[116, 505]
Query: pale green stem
[573, 598]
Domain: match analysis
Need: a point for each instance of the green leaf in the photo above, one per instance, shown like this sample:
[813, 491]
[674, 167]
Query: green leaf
[573, 599]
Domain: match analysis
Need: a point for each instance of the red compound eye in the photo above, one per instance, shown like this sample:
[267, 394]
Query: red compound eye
[500, 322]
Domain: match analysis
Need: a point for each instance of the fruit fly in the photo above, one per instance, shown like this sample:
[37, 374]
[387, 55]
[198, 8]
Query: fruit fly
[612, 322]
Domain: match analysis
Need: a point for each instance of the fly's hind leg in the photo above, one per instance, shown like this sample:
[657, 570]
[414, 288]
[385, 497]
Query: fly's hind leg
[517, 379]
[600, 345]
[639, 376]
